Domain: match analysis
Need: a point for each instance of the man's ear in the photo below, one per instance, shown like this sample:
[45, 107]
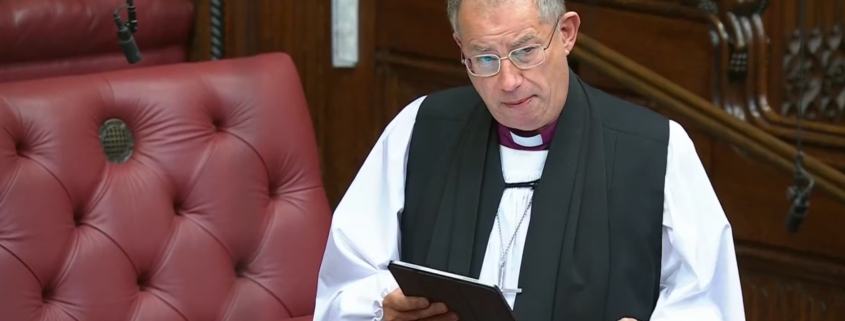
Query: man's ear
[569, 24]
[457, 39]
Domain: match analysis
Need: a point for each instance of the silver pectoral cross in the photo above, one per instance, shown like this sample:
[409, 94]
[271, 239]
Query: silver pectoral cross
[505, 249]
[509, 291]
[502, 282]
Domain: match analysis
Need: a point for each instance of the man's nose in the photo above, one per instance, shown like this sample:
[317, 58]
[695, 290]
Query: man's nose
[510, 77]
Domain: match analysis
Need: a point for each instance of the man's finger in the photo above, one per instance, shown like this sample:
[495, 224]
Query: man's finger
[433, 310]
[403, 303]
[449, 316]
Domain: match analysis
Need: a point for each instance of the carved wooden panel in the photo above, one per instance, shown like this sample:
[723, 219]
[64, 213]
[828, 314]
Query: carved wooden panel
[780, 285]
[671, 37]
[769, 296]
[816, 79]
[723, 52]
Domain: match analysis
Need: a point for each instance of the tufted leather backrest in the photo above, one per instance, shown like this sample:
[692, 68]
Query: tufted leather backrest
[48, 38]
[218, 214]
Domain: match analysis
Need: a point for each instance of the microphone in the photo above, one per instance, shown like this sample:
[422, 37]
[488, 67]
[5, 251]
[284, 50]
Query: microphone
[799, 192]
[125, 31]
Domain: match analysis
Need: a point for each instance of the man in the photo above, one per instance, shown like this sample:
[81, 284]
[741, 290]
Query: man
[580, 206]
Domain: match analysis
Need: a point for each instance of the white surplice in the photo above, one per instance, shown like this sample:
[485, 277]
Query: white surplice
[699, 277]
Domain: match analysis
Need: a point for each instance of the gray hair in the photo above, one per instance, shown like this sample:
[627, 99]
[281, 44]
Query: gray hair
[550, 10]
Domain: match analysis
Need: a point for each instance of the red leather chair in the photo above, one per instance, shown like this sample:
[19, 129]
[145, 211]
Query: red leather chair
[181, 192]
[47, 38]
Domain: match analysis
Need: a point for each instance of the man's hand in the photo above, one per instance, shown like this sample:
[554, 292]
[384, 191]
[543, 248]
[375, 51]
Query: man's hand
[398, 307]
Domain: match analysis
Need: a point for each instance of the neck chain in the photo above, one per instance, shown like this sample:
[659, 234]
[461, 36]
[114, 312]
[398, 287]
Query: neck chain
[503, 259]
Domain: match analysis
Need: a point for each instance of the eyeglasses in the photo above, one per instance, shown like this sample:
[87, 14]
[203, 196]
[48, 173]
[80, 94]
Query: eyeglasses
[523, 58]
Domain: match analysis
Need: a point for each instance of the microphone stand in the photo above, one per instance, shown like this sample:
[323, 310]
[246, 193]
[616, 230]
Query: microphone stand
[218, 19]
[130, 48]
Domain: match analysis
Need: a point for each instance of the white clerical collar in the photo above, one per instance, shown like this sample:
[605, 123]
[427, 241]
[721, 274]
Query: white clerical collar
[532, 141]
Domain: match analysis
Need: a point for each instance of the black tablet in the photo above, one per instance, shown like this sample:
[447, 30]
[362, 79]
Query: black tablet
[472, 300]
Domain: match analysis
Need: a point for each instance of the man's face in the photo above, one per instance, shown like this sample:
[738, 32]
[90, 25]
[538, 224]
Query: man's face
[524, 99]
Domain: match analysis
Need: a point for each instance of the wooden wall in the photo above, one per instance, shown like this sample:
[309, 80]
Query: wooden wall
[737, 53]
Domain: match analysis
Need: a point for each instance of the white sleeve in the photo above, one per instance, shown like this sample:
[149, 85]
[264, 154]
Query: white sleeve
[699, 279]
[364, 235]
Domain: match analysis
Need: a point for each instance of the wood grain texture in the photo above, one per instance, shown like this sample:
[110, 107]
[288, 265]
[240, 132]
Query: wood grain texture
[648, 44]
[785, 285]
[200, 49]
[823, 60]
[759, 86]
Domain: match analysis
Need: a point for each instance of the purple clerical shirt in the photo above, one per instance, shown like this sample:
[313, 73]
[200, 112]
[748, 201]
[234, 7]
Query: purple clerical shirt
[520, 140]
